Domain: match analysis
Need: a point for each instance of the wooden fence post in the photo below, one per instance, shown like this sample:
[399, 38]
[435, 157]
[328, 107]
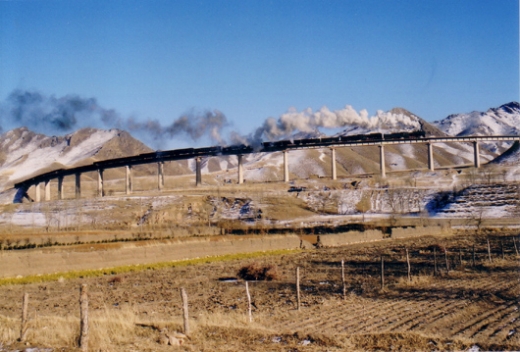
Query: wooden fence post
[83, 303]
[409, 267]
[502, 249]
[489, 250]
[460, 258]
[25, 306]
[248, 303]
[343, 278]
[298, 287]
[185, 315]
[473, 256]
[382, 273]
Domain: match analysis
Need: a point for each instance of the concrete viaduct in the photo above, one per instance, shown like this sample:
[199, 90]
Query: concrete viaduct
[198, 153]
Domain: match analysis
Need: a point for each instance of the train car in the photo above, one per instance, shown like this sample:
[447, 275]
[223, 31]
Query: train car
[277, 145]
[331, 140]
[175, 153]
[372, 136]
[405, 135]
[237, 149]
[208, 150]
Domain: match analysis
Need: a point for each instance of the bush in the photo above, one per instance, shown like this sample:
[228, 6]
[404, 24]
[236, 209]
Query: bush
[257, 271]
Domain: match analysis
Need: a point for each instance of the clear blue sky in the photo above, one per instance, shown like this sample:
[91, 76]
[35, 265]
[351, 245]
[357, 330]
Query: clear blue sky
[256, 59]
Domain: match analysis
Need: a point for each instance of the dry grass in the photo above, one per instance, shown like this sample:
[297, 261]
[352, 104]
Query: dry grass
[258, 271]
[421, 280]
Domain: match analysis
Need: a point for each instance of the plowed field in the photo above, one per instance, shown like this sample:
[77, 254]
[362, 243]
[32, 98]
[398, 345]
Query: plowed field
[475, 304]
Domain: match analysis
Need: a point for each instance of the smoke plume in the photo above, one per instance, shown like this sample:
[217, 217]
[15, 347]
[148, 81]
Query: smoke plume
[309, 121]
[59, 115]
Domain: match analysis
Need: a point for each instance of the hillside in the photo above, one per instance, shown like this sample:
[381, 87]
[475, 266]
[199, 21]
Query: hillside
[24, 153]
[504, 120]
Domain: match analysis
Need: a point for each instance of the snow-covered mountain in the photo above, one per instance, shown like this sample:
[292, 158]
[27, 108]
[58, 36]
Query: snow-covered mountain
[504, 120]
[24, 153]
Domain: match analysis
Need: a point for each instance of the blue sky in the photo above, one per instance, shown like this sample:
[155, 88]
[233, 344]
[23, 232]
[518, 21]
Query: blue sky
[256, 59]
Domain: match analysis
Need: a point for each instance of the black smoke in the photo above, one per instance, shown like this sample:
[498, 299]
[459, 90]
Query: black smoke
[53, 115]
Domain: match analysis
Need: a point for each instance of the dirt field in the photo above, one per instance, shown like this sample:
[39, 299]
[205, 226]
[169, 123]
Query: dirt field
[473, 306]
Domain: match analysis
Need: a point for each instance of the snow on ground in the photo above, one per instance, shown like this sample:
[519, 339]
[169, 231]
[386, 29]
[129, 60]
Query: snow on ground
[38, 158]
[407, 150]
[303, 166]
[459, 155]
[396, 161]
[87, 148]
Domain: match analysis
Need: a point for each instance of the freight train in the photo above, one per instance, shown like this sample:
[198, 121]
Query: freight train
[370, 137]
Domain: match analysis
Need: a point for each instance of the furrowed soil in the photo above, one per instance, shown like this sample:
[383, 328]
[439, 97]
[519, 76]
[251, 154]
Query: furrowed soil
[472, 305]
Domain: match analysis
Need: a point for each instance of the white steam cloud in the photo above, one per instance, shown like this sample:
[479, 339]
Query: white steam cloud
[308, 121]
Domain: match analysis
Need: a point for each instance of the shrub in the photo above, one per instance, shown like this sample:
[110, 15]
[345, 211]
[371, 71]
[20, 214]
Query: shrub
[257, 271]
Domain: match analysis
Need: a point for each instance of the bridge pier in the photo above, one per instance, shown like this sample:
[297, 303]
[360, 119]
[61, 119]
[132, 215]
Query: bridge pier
[128, 179]
[382, 160]
[78, 185]
[240, 169]
[37, 194]
[476, 154]
[47, 190]
[431, 165]
[60, 187]
[333, 163]
[160, 175]
[198, 172]
[285, 166]
[100, 190]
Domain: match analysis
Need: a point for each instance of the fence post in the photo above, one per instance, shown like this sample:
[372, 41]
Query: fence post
[460, 258]
[185, 315]
[343, 278]
[298, 287]
[502, 249]
[409, 268]
[473, 257]
[83, 303]
[248, 303]
[25, 305]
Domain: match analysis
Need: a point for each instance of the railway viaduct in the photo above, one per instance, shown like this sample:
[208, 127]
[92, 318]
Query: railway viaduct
[160, 157]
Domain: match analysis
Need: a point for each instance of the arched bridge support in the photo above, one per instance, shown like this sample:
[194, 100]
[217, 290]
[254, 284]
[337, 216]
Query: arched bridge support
[128, 179]
[78, 186]
[476, 154]
[47, 186]
[382, 160]
[285, 166]
[198, 171]
[431, 165]
[240, 169]
[333, 163]
[160, 175]
[100, 189]
[37, 193]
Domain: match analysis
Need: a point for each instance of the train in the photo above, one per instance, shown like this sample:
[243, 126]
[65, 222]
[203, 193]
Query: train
[187, 153]
[320, 141]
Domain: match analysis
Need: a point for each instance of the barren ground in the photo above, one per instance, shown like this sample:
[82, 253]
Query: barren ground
[471, 306]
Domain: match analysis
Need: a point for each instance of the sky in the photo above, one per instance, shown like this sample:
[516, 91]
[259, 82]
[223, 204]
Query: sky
[152, 62]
